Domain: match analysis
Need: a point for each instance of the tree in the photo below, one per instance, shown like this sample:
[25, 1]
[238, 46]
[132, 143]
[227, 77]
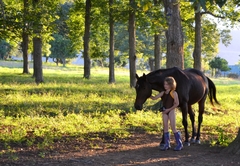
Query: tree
[87, 62]
[198, 38]
[111, 44]
[219, 63]
[174, 34]
[157, 48]
[5, 49]
[233, 147]
[62, 47]
[216, 11]
[25, 36]
[132, 43]
[37, 45]
[149, 31]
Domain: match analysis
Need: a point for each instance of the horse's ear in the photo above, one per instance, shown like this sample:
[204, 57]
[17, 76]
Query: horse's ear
[137, 77]
[144, 76]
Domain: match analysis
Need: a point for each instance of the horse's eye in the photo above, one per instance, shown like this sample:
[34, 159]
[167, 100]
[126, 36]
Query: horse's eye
[137, 86]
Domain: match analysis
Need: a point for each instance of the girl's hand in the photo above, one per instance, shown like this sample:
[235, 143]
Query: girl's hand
[166, 111]
[153, 97]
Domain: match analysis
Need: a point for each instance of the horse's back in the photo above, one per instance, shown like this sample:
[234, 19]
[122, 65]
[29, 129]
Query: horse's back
[198, 85]
[198, 73]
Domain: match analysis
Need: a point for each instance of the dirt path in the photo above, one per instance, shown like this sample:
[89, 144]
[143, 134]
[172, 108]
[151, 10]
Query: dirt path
[139, 150]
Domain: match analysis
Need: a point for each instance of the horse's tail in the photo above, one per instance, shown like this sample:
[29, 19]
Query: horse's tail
[212, 91]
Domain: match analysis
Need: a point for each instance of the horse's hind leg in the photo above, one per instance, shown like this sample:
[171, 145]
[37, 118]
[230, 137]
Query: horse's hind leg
[184, 109]
[201, 106]
[192, 118]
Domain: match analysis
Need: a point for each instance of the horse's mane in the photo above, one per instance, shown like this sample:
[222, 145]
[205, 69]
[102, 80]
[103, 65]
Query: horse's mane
[160, 71]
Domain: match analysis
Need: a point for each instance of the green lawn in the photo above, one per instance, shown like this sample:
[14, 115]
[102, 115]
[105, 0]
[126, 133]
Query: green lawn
[67, 105]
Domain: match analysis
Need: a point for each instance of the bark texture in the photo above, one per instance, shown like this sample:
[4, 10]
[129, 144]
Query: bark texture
[87, 62]
[198, 38]
[111, 44]
[174, 34]
[25, 42]
[132, 43]
[37, 54]
[234, 147]
[37, 49]
[157, 54]
[25, 39]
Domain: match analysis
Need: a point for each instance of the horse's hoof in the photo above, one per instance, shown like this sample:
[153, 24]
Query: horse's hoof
[192, 140]
[186, 143]
[161, 145]
[197, 142]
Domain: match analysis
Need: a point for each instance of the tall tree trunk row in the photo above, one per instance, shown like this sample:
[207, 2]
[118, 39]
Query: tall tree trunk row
[157, 54]
[37, 53]
[132, 43]
[111, 44]
[25, 39]
[198, 39]
[37, 49]
[87, 62]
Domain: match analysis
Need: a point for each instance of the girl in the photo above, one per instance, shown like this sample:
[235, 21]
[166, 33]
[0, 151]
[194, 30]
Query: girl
[170, 102]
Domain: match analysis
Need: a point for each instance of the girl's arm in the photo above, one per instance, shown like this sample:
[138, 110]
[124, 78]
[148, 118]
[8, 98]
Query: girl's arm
[157, 96]
[175, 103]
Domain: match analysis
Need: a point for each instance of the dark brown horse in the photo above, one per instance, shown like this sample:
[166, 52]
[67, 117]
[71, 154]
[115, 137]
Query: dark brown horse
[192, 87]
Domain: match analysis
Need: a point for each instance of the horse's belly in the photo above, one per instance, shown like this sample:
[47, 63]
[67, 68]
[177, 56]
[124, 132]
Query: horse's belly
[195, 98]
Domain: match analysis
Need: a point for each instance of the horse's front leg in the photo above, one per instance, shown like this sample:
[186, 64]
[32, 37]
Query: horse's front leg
[184, 109]
[192, 118]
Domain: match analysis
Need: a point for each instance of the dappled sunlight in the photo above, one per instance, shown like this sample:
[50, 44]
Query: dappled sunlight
[151, 161]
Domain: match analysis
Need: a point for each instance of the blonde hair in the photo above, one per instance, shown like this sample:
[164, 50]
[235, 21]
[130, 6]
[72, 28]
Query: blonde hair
[171, 82]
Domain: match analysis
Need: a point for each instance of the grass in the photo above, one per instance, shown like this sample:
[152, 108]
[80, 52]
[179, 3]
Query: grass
[66, 105]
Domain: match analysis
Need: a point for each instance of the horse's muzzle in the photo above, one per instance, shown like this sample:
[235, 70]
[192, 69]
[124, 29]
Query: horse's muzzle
[138, 107]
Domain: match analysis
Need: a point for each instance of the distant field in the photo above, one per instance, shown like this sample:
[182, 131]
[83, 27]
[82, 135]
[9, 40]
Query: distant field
[66, 104]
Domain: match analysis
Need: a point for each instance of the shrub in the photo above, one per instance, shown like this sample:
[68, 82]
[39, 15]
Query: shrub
[232, 75]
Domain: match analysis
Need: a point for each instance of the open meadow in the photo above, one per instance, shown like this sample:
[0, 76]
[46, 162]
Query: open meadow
[67, 113]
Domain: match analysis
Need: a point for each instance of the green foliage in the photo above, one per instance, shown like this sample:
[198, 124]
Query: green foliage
[5, 49]
[219, 63]
[61, 47]
[203, 3]
[75, 23]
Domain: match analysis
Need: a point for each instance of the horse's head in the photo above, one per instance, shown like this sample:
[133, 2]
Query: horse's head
[143, 91]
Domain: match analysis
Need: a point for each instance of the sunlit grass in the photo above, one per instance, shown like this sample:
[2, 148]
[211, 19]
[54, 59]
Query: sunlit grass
[67, 105]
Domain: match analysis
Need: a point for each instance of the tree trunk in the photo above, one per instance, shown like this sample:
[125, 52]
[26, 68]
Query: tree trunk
[198, 38]
[87, 62]
[25, 39]
[132, 43]
[174, 35]
[37, 49]
[157, 55]
[151, 63]
[37, 60]
[111, 45]
[64, 62]
[25, 42]
[233, 147]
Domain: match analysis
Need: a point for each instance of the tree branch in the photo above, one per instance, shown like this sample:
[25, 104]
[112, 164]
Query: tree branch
[214, 15]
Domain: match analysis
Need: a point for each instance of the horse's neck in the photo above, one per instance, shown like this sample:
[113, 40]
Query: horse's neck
[157, 86]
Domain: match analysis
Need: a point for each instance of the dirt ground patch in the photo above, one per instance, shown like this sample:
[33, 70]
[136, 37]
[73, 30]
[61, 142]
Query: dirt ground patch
[139, 150]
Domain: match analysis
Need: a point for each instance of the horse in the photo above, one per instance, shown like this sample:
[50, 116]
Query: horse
[192, 87]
